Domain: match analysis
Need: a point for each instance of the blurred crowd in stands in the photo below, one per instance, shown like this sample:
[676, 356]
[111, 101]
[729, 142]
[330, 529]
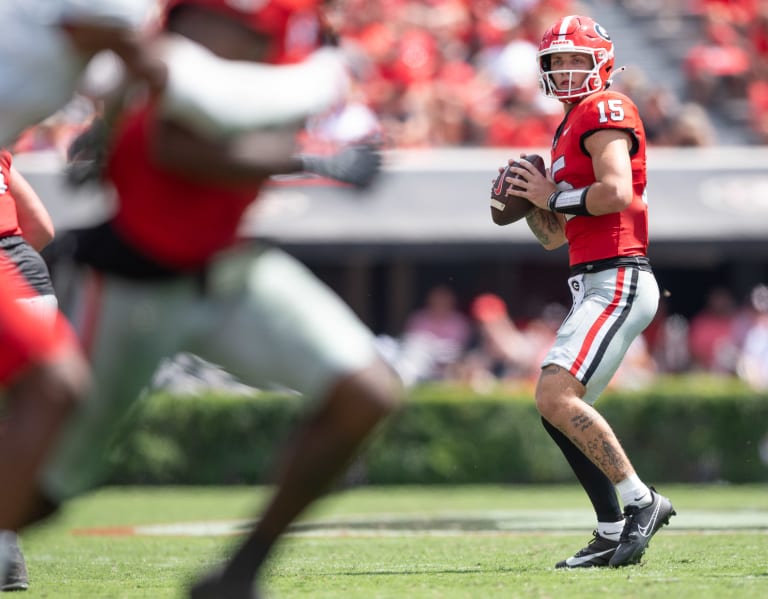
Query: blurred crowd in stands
[728, 68]
[725, 62]
[483, 345]
[463, 73]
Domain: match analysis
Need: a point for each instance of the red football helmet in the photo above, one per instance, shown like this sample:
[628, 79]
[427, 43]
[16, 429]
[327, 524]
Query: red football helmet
[573, 34]
[293, 24]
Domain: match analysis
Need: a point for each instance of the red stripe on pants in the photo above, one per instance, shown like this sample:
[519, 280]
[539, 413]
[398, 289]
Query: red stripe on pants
[597, 325]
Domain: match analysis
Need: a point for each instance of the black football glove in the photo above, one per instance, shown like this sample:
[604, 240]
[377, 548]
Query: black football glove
[357, 165]
[86, 155]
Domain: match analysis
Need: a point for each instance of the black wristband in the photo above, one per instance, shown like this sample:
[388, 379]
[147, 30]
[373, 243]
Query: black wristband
[569, 201]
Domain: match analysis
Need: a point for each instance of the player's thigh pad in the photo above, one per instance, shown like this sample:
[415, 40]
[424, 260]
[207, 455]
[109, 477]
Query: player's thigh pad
[279, 326]
[610, 309]
[126, 328]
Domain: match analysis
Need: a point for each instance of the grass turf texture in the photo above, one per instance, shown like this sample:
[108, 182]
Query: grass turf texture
[445, 542]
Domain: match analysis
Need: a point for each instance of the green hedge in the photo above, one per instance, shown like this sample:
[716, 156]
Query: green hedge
[682, 430]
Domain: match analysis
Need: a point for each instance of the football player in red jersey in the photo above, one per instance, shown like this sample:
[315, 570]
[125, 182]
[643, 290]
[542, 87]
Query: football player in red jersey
[168, 273]
[594, 199]
[25, 229]
[43, 375]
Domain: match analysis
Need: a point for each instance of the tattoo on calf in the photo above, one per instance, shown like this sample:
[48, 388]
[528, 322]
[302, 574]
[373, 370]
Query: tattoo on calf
[602, 452]
[612, 457]
[582, 422]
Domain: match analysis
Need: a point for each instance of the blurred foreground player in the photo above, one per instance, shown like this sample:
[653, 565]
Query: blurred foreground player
[47, 44]
[595, 200]
[25, 229]
[167, 273]
[43, 376]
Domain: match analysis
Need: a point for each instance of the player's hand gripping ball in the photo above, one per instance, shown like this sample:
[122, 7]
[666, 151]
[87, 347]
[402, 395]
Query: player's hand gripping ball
[506, 207]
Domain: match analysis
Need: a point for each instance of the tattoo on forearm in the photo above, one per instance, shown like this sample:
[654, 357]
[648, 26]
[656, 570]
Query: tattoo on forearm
[544, 225]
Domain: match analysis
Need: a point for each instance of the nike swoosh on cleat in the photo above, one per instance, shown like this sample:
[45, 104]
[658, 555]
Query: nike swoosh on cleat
[577, 561]
[644, 530]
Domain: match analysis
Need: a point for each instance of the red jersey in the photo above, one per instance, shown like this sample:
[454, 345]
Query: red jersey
[9, 220]
[25, 338]
[623, 233]
[175, 221]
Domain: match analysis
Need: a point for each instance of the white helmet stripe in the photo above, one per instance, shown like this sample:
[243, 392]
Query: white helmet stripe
[564, 25]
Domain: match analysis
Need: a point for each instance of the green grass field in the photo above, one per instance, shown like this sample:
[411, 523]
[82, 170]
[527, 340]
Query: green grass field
[436, 542]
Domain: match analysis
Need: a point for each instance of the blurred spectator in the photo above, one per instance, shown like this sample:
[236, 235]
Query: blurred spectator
[753, 359]
[668, 122]
[667, 339]
[502, 351]
[672, 352]
[689, 126]
[718, 66]
[187, 374]
[350, 123]
[57, 132]
[540, 333]
[757, 32]
[757, 91]
[438, 333]
[638, 369]
[758, 110]
[738, 12]
[712, 335]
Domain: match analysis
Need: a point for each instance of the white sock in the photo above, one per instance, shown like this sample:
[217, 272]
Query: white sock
[610, 530]
[634, 492]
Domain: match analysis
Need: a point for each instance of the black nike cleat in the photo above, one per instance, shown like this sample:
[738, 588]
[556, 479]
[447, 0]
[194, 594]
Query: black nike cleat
[215, 585]
[16, 578]
[597, 554]
[641, 525]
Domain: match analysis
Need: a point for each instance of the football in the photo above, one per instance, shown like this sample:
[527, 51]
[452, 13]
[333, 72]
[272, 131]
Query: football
[506, 207]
